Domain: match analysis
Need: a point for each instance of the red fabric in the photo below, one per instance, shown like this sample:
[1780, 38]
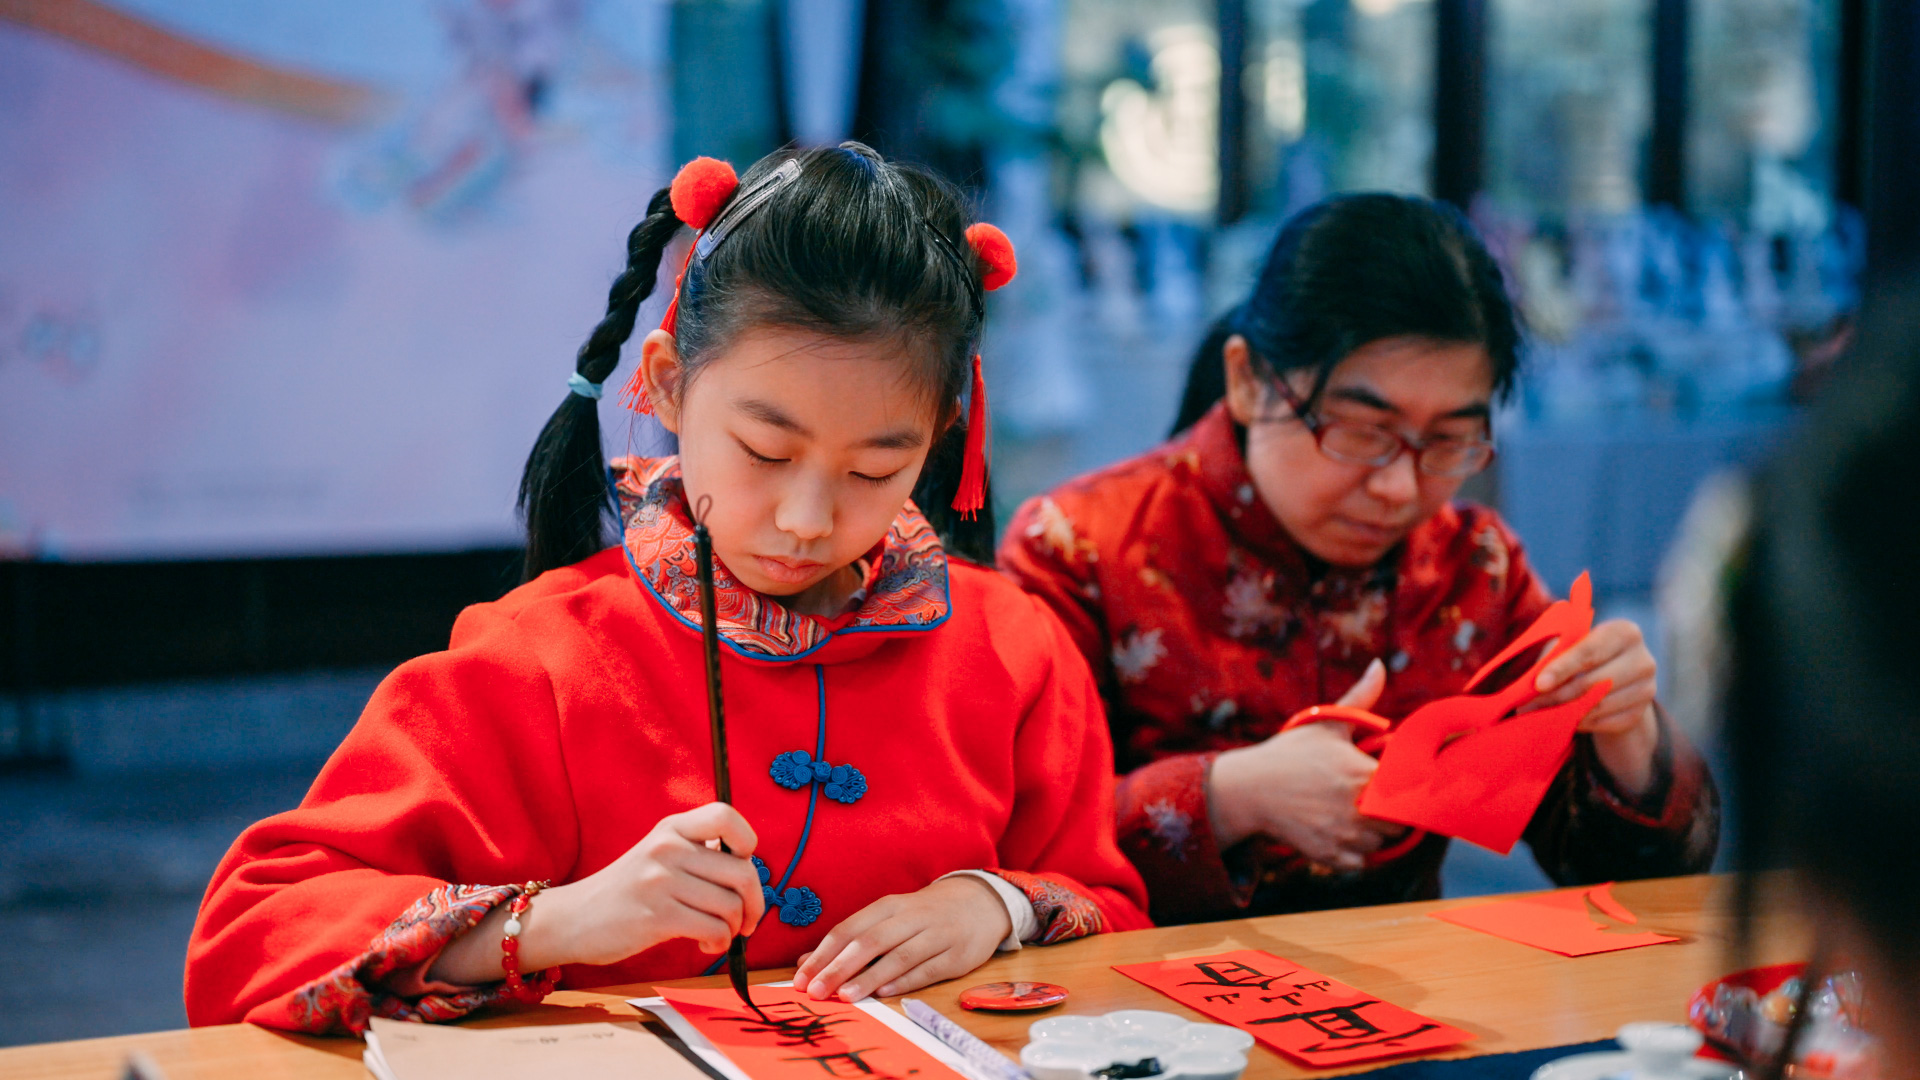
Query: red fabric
[1207, 627]
[567, 718]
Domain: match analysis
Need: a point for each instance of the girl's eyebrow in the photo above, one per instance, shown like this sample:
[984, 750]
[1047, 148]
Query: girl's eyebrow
[768, 413]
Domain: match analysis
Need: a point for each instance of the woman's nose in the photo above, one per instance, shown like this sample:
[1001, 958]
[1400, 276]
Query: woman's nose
[1397, 481]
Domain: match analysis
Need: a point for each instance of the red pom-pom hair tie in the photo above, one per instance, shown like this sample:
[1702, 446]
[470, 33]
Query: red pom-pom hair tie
[700, 190]
[993, 248]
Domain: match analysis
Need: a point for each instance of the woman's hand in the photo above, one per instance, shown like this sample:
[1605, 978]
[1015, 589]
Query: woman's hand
[674, 883]
[1624, 728]
[1301, 787]
[900, 943]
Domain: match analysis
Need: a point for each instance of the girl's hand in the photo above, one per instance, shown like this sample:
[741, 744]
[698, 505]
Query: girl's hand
[1302, 787]
[671, 884]
[900, 943]
[1624, 728]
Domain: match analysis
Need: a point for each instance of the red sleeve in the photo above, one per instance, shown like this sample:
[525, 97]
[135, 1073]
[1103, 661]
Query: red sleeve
[451, 777]
[1046, 555]
[1059, 846]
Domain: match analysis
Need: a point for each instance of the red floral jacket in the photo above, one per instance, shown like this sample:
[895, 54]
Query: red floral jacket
[1208, 626]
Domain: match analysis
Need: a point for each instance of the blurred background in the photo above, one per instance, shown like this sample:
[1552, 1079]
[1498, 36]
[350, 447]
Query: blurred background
[286, 291]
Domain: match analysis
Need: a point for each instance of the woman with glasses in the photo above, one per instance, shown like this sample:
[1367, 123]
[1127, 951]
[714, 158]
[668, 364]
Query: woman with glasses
[1296, 542]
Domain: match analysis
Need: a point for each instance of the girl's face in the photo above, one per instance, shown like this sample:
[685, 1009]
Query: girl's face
[1347, 514]
[807, 444]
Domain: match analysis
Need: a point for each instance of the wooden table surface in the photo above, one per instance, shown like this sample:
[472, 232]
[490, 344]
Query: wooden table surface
[1511, 996]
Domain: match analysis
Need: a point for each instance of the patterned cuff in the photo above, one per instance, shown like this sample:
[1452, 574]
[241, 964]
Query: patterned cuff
[1166, 828]
[344, 999]
[1060, 910]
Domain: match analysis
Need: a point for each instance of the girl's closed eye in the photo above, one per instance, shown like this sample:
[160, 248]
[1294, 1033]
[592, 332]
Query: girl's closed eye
[877, 481]
[759, 458]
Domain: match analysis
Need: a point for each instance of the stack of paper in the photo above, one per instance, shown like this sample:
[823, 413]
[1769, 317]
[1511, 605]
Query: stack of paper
[397, 1050]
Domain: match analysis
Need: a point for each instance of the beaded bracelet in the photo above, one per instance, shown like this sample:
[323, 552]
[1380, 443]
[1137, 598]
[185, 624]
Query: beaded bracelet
[510, 943]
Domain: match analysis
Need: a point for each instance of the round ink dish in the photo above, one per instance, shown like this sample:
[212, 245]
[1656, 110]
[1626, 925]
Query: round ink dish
[1134, 1043]
[1012, 996]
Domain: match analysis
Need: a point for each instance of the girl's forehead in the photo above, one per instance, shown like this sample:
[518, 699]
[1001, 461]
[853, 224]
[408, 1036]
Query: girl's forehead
[821, 385]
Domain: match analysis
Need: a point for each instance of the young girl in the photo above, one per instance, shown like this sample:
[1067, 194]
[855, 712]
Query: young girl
[1297, 541]
[920, 770]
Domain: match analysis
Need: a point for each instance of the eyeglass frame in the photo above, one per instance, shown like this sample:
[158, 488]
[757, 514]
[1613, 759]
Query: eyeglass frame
[1317, 426]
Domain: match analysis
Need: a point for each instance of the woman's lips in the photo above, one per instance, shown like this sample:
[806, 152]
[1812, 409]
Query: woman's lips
[787, 571]
[1374, 533]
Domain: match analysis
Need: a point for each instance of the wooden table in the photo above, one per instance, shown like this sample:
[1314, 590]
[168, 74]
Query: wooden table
[1512, 996]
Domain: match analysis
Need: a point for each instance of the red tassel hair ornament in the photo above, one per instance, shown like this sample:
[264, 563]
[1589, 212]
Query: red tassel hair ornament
[991, 247]
[700, 190]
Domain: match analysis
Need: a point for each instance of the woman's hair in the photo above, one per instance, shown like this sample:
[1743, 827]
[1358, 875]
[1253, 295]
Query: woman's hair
[1823, 716]
[856, 247]
[1352, 270]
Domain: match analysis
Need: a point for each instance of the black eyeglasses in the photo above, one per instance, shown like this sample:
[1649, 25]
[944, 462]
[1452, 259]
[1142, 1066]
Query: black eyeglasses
[1377, 447]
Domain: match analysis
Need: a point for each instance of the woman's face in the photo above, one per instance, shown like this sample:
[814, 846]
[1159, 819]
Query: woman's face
[808, 446]
[1347, 514]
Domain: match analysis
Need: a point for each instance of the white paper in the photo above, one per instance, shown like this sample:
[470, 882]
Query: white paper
[894, 1019]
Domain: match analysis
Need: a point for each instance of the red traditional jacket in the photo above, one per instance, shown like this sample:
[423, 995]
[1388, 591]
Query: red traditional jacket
[946, 723]
[1208, 626]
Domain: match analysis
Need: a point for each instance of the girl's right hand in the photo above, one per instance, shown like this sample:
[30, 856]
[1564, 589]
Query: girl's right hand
[674, 883]
[1301, 788]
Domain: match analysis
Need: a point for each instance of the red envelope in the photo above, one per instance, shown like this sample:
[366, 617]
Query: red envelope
[1316, 1021]
[1557, 922]
[1466, 766]
[792, 1035]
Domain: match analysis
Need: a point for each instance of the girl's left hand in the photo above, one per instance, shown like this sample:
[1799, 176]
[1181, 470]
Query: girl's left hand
[1624, 728]
[941, 932]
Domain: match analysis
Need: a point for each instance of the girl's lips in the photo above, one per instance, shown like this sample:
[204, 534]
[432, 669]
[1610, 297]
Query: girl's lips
[787, 571]
[1377, 533]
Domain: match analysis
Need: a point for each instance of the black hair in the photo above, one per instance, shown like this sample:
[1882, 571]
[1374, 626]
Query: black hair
[1354, 269]
[1823, 706]
[856, 247]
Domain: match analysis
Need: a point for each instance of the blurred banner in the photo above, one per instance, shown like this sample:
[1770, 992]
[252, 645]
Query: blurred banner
[289, 278]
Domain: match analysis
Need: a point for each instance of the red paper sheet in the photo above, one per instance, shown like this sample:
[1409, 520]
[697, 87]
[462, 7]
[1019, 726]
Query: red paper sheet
[1310, 1018]
[1568, 923]
[792, 1035]
[1468, 766]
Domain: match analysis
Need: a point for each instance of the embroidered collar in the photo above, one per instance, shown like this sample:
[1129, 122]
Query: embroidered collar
[905, 586]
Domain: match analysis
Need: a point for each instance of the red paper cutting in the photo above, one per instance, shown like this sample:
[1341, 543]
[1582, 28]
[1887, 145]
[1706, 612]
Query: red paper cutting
[1559, 922]
[1467, 766]
[1316, 1021]
[792, 1035]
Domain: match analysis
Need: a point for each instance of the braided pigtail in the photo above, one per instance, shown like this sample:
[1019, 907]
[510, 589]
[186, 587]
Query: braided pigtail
[563, 492]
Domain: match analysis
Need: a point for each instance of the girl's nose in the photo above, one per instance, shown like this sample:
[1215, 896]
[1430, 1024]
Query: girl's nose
[1397, 481]
[805, 511]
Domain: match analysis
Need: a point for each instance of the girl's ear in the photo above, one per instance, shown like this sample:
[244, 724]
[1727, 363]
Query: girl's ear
[1244, 388]
[660, 371]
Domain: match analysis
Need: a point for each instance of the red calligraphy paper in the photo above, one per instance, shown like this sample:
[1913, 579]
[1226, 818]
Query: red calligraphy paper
[1472, 766]
[1316, 1021]
[792, 1035]
[1568, 922]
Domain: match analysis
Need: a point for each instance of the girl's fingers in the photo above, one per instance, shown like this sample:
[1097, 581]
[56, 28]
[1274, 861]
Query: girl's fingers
[715, 821]
[709, 935]
[711, 900]
[939, 968]
[832, 945]
[732, 873]
[902, 958]
[876, 941]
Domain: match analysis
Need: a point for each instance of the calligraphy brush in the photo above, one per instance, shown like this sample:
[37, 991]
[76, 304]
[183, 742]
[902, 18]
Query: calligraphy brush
[717, 718]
